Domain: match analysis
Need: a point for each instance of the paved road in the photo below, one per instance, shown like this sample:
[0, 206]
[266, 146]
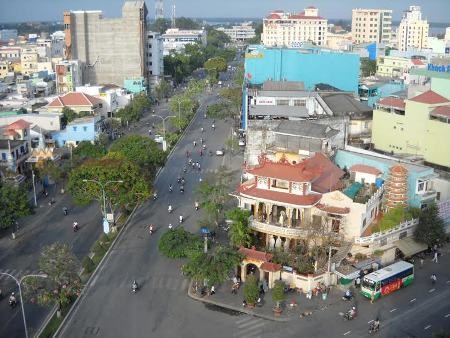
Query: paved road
[160, 308]
[20, 256]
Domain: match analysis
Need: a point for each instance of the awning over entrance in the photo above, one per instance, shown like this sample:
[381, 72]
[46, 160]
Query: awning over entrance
[409, 246]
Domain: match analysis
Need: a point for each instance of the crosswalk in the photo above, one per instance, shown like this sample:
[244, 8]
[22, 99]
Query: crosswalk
[17, 273]
[249, 327]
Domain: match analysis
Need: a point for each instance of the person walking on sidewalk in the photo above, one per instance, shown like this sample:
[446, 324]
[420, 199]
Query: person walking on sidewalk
[435, 257]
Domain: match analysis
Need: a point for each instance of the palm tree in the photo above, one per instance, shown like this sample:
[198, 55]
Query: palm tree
[239, 232]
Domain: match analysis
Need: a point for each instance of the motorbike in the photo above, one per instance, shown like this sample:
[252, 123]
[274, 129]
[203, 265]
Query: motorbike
[155, 196]
[169, 209]
[12, 302]
[349, 315]
[374, 328]
[170, 188]
[134, 287]
[65, 211]
[179, 180]
[182, 190]
[75, 227]
[197, 206]
[347, 298]
[181, 219]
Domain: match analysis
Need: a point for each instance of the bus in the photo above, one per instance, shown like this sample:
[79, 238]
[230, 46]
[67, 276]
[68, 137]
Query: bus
[387, 280]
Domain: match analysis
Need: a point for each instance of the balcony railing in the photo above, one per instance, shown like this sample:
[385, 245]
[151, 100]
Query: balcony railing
[278, 230]
[427, 195]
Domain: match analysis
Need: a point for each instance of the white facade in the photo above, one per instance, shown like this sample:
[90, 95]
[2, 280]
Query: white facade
[44, 47]
[29, 59]
[437, 46]
[447, 35]
[57, 47]
[113, 97]
[413, 31]
[46, 121]
[338, 41]
[10, 53]
[155, 58]
[242, 32]
[289, 30]
[371, 25]
[175, 39]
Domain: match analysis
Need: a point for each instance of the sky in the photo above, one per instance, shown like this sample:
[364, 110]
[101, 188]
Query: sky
[51, 10]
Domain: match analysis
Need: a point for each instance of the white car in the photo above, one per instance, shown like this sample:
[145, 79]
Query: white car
[242, 142]
[220, 152]
[159, 139]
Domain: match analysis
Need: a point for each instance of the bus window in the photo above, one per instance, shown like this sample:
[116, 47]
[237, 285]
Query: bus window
[377, 288]
[368, 284]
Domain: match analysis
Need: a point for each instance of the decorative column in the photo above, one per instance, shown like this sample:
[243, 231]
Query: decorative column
[286, 244]
[268, 211]
[271, 242]
[289, 216]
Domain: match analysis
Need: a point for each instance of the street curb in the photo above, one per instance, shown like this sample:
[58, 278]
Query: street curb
[93, 275]
[235, 308]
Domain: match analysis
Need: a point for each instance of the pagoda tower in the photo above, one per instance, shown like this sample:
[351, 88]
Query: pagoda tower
[396, 187]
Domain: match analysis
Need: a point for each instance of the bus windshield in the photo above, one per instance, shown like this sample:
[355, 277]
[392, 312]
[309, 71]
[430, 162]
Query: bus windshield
[369, 284]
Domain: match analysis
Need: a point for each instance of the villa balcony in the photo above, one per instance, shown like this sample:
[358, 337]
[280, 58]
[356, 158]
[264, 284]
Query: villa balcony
[428, 195]
[293, 232]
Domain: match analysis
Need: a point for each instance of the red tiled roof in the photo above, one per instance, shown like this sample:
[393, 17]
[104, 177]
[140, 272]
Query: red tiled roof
[74, 99]
[417, 62]
[269, 266]
[362, 168]
[329, 174]
[441, 110]
[277, 196]
[273, 16]
[398, 168]
[9, 132]
[255, 254]
[283, 171]
[430, 97]
[19, 124]
[333, 210]
[393, 102]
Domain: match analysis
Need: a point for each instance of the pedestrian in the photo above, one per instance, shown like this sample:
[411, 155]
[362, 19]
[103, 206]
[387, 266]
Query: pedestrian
[358, 282]
[435, 257]
[170, 227]
[201, 153]
[213, 290]
[372, 298]
[433, 279]
[195, 143]
[421, 262]
[187, 153]
[149, 132]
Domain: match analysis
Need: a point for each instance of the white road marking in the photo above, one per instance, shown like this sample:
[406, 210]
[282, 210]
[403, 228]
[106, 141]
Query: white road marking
[448, 282]
[432, 290]
[447, 315]
[393, 310]
[346, 333]
[427, 327]
[370, 321]
[412, 300]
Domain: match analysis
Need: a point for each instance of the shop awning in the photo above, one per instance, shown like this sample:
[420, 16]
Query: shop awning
[409, 246]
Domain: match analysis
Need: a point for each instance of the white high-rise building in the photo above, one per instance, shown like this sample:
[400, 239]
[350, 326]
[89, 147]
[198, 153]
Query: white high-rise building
[371, 25]
[287, 29]
[413, 31]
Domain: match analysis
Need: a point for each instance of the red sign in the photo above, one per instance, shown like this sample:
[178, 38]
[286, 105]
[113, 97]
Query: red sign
[394, 286]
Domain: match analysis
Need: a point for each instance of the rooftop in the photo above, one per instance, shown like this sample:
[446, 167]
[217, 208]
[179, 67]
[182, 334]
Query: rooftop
[344, 103]
[306, 128]
[362, 168]
[429, 97]
[19, 124]
[393, 102]
[255, 254]
[74, 99]
[441, 111]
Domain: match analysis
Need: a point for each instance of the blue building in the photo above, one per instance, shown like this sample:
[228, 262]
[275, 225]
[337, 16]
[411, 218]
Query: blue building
[419, 176]
[310, 65]
[81, 129]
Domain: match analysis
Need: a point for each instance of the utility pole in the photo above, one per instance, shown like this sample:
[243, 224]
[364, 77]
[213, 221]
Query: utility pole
[34, 188]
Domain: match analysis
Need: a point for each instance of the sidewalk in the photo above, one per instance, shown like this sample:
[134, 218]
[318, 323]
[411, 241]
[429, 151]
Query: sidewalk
[305, 307]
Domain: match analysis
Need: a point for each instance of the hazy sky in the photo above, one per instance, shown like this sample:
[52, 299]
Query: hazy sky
[42, 10]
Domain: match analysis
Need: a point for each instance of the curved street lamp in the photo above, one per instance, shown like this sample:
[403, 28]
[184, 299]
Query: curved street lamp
[19, 283]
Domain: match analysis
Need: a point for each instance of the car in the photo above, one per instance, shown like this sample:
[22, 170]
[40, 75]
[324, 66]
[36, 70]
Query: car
[159, 139]
[220, 152]
[242, 142]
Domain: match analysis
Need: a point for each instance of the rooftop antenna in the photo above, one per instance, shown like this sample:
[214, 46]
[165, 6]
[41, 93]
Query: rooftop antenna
[173, 17]
[159, 9]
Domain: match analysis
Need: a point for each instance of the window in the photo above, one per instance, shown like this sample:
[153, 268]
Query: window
[84, 128]
[282, 102]
[3, 156]
[281, 184]
[74, 128]
[300, 103]
[422, 186]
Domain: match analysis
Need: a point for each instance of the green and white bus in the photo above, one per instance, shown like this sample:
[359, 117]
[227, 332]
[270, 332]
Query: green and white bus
[389, 279]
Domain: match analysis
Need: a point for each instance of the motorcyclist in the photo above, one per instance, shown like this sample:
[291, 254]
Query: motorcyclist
[150, 229]
[65, 211]
[195, 143]
[352, 313]
[179, 179]
[75, 226]
[182, 189]
[170, 188]
[348, 295]
[155, 195]
[134, 286]
[202, 129]
[181, 219]
[213, 126]
[433, 278]
[169, 209]
[375, 325]
[196, 205]
[12, 299]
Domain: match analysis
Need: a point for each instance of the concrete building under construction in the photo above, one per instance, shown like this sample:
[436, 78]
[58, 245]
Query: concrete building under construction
[111, 50]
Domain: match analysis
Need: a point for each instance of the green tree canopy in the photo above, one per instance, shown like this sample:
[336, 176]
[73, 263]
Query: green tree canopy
[68, 115]
[187, 23]
[13, 204]
[213, 267]
[368, 67]
[258, 32]
[218, 64]
[217, 38]
[163, 90]
[135, 108]
[278, 294]
[430, 229]
[62, 283]
[239, 233]
[86, 149]
[178, 243]
[113, 167]
[142, 151]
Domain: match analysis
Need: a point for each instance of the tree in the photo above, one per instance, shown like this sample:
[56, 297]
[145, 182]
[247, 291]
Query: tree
[50, 169]
[187, 23]
[430, 229]
[251, 289]
[135, 108]
[86, 149]
[163, 90]
[213, 267]
[239, 233]
[113, 167]
[217, 38]
[258, 31]
[278, 294]
[13, 204]
[368, 67]
[68, 115]
[215, 65]
[213, 193]
[62, 284]
[142, 151]
[178, 243]
[239, 76]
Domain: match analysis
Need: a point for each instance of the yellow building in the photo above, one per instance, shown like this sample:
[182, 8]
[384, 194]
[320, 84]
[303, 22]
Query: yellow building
[29, 59]
[371, 25]
[417, 126]
[392, 66]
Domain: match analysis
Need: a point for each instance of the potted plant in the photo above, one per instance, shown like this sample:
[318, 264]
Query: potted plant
[251, 291]
[278, 296]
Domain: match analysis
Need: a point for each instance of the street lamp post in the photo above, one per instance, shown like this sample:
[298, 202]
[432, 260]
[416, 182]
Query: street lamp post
[19, 283]
[102, 186]
[164, 128]
[34, 188]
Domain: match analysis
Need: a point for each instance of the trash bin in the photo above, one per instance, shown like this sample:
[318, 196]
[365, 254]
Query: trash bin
[324, 296]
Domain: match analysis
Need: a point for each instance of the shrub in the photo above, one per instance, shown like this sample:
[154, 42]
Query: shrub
[360, 256]
[88, 264]
[104, 239]
[178, 243]
[98, 249]
[97, 258]
[251, 290]
[278, 294]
